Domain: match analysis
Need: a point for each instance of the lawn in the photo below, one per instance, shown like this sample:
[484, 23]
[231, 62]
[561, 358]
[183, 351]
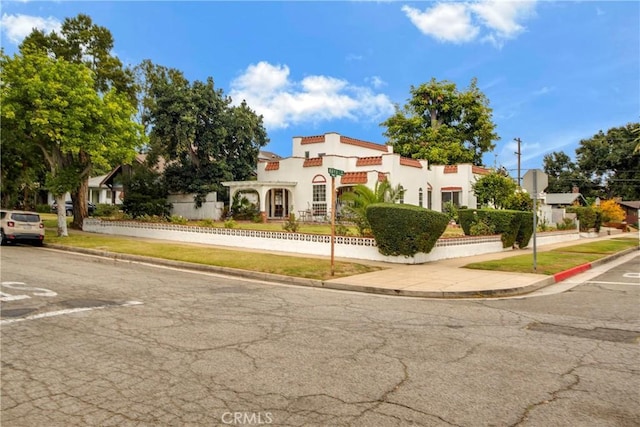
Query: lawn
[295, 266]
[557, 260]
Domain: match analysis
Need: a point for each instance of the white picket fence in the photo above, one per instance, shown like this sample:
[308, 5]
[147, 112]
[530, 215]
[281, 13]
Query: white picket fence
[311, 244]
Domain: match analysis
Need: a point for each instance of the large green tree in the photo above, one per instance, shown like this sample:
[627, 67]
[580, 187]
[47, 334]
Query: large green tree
[195, 127]
[81, 41]
[611, 162]
[52, 104]
[563, 173]
[495, 189]
[443, 124]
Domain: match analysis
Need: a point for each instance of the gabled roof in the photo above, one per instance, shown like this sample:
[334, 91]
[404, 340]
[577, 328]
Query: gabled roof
[563, 198]
[633, 204]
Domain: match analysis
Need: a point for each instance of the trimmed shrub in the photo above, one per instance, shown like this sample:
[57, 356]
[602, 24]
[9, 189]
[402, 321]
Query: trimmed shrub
[588, 216]
[106, 210]
[507, 223]
[481, 228]
[526, 229]
[405, 229]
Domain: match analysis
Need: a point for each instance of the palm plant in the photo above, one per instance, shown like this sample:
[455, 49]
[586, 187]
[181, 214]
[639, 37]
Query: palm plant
[357, 200]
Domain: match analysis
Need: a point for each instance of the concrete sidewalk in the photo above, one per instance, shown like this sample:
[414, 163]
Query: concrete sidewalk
[449, 278]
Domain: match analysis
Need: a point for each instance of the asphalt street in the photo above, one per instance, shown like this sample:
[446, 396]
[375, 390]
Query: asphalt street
[88, 341]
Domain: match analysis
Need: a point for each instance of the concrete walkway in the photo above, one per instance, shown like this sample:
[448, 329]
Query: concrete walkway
[449, 278]
[437, 279]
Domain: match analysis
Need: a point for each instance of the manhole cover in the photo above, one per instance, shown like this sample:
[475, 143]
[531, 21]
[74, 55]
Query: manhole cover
[77, 303]
[603, 334]
[16, 312]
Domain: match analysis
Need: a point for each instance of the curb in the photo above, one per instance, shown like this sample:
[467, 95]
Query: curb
[298, 281]
[563, 275]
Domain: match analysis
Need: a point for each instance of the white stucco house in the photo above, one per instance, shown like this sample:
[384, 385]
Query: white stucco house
[301, 184]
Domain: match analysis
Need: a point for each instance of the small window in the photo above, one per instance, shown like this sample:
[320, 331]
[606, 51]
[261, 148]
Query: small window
[420, 196]
[450, 196]
[306, 154]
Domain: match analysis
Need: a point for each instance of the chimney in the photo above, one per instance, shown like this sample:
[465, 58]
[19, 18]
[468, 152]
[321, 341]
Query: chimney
[575, 189]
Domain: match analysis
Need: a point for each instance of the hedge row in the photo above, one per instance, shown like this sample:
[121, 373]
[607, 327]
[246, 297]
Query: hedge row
[405, 229]
[589, 217]
[514, 227]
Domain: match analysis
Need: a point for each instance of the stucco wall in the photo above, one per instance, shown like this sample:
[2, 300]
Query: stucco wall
[310, 244]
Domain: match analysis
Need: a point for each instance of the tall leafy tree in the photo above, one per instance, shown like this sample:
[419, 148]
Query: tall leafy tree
[495, 189]
[194, 126]
[610, 160]
[81, 41]
[442, 124]
[52, 104]
[564, 174]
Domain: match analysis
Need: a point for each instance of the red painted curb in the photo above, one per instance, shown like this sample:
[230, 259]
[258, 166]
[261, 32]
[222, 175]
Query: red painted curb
[559, 277]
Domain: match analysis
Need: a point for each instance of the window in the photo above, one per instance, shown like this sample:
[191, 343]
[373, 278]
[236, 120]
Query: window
[450, 196]
[429, 199]
[420, 197]
[320, 200]
[306, 154]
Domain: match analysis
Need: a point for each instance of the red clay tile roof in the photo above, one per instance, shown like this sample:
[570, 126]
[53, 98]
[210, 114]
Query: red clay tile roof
[354, 178]
[316, 161]
[312, 139]
[369, 161]
[451, 169]
[451, 189]
[272, 166]
[480, 171]
[365, 144]
[405, 161]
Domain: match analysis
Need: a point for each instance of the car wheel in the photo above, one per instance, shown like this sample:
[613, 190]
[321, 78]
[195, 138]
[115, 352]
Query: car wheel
[69, 212]
[38, 243]
[4, 240]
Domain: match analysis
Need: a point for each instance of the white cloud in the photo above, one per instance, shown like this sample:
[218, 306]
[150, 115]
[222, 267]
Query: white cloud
[17, 27]
[543, 90]
[375, 81]
[269, 90]
[449, 22]
[495, 20]
[502, 18]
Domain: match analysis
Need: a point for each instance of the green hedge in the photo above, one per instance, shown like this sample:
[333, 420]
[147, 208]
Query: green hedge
[513, 226]
[588, 216]
[405, 229]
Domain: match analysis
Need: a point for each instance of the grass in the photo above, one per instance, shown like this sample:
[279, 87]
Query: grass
[557, 260]
[311, 268]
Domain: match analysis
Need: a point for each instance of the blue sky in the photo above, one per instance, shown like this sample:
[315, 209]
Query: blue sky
[554, 72]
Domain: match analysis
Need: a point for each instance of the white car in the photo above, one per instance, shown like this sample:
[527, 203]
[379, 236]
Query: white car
[21, 226]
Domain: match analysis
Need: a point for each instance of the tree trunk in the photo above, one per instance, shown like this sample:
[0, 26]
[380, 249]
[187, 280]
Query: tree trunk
[62, 216]
[79, 199]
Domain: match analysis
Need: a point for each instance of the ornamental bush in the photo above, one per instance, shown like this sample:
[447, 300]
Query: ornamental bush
[588, 216]
[405, 229]
[513, 226]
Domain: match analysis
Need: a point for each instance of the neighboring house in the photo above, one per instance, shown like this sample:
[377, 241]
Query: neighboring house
[631, 210]
[114, 179]
[98, 192]
[301, 184]
[553, 207]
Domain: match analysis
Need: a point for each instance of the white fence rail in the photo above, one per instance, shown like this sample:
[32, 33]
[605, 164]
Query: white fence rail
[312, 244]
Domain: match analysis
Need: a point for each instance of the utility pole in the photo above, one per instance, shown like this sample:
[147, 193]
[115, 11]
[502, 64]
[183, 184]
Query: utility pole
[518, 153]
